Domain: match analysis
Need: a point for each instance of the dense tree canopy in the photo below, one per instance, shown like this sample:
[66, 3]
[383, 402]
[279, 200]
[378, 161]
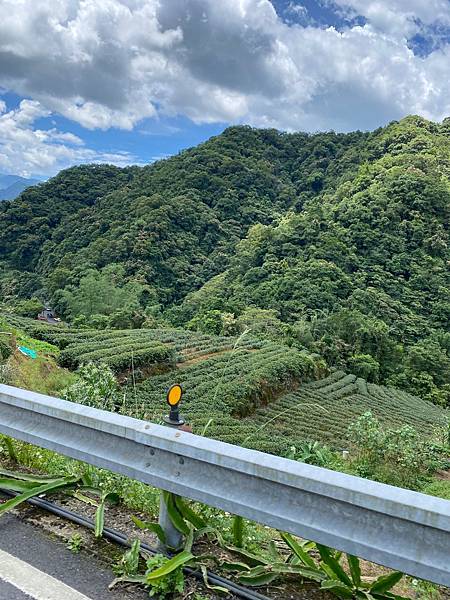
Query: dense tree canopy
[173, 224]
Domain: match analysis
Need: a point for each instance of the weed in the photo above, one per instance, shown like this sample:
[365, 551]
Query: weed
[29, 486]
[312, 453]
[440, 488]
[96, 386]
[75, 543]
[129, 562]
[41, 375]
[317, 563]
[8, 444]
[425, 590]
[163, 576]
[238, 531]
[164, 584]
[7, 374]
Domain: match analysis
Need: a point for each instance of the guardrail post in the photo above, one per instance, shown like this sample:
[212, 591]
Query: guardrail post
[174, 538]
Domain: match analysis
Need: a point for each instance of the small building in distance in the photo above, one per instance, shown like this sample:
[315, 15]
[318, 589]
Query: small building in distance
[48, 315]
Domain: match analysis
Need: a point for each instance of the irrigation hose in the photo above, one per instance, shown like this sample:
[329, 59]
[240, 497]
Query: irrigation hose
[121, 539]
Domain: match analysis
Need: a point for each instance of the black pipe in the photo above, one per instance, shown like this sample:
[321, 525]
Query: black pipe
[122, 540]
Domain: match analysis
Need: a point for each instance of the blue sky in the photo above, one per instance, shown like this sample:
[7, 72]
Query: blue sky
[318, 14]
[133, 81]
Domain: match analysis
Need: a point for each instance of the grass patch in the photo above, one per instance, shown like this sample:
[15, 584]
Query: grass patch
[41, 375]
[439, 488]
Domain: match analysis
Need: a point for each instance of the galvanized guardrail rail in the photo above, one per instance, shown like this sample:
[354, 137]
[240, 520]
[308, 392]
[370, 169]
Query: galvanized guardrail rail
[390, 526]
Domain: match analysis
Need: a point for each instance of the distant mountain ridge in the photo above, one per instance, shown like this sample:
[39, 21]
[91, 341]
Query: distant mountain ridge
[12, 185]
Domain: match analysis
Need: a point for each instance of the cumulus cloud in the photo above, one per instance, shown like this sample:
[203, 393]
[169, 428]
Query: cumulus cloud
[27, 150]
[116, 62]
[400, 18]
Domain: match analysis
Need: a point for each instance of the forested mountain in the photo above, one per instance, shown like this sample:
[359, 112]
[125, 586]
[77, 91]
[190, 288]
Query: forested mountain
[173, 224]
[338, 243]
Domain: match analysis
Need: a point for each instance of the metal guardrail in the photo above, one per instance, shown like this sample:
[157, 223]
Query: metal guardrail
[390, 526]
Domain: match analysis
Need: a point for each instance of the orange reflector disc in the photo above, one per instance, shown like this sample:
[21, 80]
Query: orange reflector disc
[174, 394]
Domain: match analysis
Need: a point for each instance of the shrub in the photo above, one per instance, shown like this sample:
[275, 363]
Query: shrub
[396, 456]
[140, 358]
[28, 308]
[210, 322]
[95, 387]
[128, 317]
[364, 366]
[98, 321]
[6, 374]
[118, 354]
[5, 348]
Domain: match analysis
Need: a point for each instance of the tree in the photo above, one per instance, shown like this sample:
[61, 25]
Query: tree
[365, 366]
[213, 322]
[28, 308]
[263, 323]
[101, 293]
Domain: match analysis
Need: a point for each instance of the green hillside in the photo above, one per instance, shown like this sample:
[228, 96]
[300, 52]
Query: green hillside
[270, 389]
[335, 244]
[323, 410]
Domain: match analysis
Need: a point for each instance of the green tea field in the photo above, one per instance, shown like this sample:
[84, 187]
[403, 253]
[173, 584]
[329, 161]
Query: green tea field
[243, 390]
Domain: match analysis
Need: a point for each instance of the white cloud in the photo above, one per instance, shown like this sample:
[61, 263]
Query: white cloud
[401, 18]
[116, 62]
[27, 150]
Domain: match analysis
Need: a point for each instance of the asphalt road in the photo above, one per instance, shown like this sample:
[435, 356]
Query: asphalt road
[33, 565]
[9, 592]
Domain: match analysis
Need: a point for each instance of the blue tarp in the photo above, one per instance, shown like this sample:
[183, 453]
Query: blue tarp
[27, 351]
